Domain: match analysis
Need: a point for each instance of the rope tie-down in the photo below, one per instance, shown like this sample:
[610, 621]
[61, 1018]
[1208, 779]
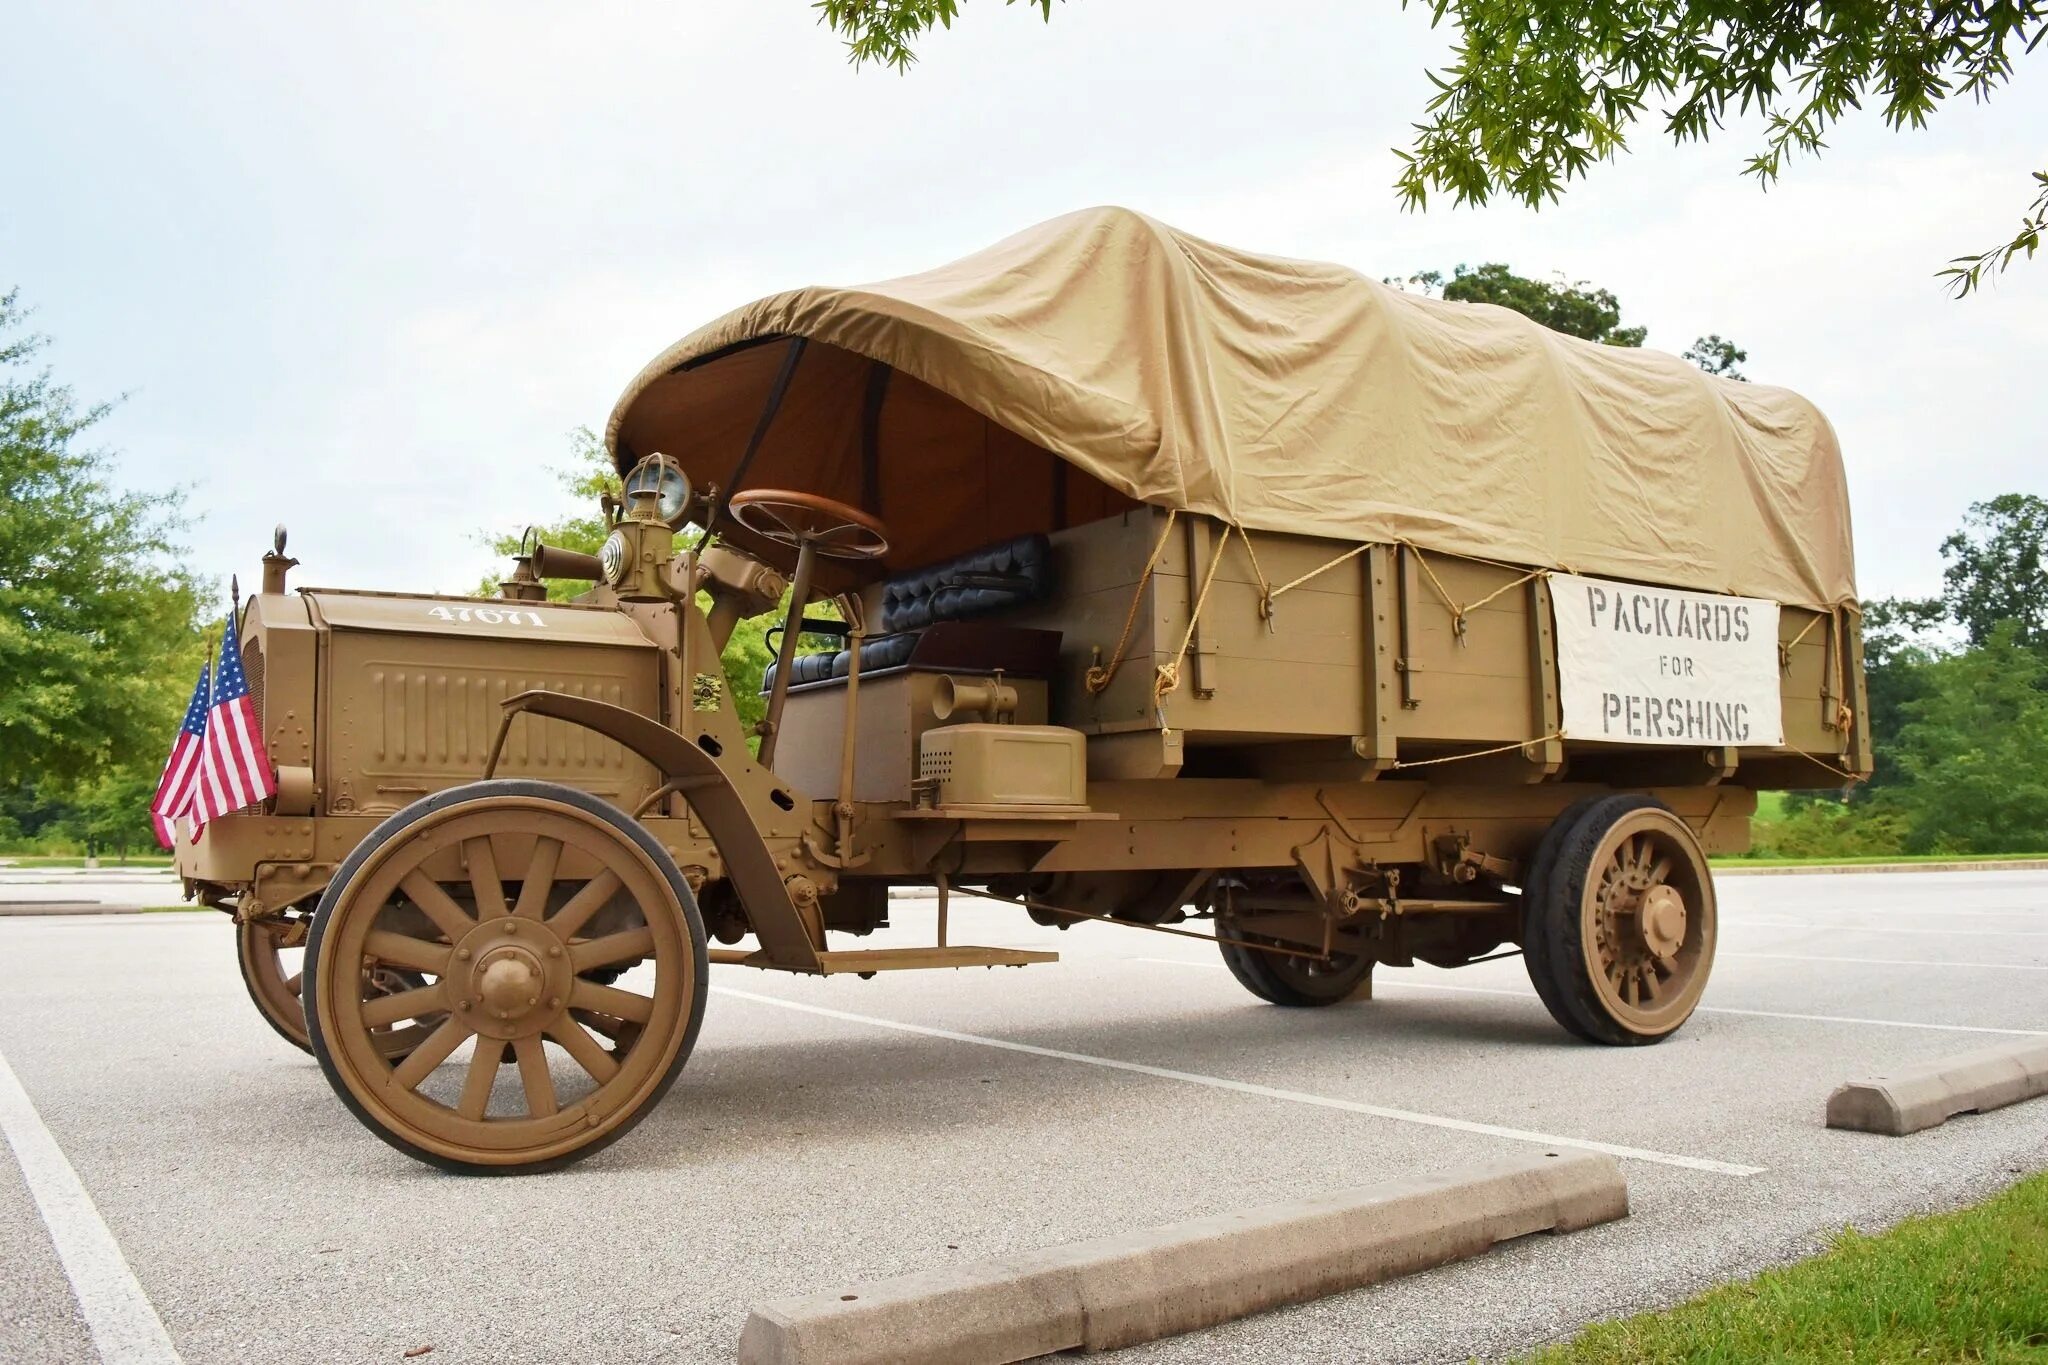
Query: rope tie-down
[1167, 676]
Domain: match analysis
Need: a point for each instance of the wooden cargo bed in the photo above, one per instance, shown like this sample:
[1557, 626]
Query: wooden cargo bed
[1363, 667]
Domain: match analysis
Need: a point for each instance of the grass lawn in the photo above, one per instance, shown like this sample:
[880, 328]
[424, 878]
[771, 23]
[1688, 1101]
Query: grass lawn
[1743, 861]
[1970, 1285]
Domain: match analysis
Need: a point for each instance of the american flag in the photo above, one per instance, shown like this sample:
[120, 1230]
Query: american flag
[234, 767]
[181, 770]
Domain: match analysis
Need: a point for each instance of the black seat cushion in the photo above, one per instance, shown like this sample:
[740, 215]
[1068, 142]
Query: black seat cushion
[808, 668]
[884, 651]
[1009, 573]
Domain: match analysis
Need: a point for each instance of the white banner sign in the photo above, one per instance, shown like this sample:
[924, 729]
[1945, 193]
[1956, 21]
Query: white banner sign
[1659, 666]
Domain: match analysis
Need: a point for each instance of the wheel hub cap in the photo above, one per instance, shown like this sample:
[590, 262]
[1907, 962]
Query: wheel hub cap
[1662, 920]
[508, 982]
[514, 978]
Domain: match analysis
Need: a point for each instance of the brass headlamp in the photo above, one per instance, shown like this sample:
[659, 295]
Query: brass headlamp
[635, 555]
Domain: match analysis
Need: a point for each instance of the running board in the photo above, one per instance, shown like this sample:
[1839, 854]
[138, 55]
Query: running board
[865, 960]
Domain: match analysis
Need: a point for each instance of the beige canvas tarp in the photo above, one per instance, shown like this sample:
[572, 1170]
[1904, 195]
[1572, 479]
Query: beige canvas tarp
[1282, 395]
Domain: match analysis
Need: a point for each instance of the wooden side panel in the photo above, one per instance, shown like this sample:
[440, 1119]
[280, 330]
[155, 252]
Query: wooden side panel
[1807, 682]
[1315, 669]
[1096, 569]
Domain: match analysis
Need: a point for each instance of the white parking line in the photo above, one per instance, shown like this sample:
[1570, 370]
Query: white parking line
[1530, 996]
[1918, 910]
[1875, 929]
[124, 1326]
[1889, 961]
[1691, 1163]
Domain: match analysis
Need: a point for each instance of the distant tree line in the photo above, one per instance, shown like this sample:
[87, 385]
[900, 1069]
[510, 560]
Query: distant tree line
[1958, 696]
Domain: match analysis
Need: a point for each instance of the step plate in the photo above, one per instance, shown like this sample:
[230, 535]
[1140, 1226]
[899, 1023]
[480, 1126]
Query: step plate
[900, 959]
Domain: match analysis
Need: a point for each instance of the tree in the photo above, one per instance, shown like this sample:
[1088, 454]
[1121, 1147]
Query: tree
[1716, 354]
[112, 811]
[586, 476]
[98, 615]
[1898, 644]
[1537, 94]
[1997, 571]
[883, 31]
[1580, 310]
[1974, 752]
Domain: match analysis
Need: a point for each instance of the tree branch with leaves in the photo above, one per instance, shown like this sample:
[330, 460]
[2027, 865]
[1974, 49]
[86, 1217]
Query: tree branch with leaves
[1538, 92]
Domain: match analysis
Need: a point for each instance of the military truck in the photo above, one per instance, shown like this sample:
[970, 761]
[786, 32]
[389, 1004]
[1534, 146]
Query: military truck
[1173, 584]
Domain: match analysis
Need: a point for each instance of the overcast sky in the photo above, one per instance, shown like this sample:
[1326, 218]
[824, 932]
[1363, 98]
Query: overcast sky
[362, 267]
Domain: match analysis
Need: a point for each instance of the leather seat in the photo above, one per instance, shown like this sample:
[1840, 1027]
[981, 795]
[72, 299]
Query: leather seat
[1009, 573]
[809, 668]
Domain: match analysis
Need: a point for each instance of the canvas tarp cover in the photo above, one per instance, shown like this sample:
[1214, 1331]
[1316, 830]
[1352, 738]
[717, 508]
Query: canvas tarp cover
[1282, 395]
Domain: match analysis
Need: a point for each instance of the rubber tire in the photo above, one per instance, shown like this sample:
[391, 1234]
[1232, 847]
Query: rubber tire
[297, 1038]
[1254, 971]
[1577, 1007]
[1535, 942]
[395, 827]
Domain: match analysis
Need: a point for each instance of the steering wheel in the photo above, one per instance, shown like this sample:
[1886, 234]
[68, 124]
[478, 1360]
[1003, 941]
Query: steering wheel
[805, 520]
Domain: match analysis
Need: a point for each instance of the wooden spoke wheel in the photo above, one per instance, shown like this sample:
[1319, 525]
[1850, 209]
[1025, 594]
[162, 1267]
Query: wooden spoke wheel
[504, 898]
[1297, 982]
[269, 953]
[1533, 921]
[1626, 917]
[272, 961]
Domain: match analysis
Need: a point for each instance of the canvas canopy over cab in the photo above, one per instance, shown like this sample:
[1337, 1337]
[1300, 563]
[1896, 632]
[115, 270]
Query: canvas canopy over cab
[1103, 358]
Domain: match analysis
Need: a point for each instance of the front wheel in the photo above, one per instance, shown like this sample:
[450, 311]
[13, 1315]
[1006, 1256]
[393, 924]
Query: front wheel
[1624, 923]
[507, 898]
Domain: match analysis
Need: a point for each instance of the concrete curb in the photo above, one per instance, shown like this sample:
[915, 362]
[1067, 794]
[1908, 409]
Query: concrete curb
[1917, 1097]
[1838, 869]
[1140, 1286]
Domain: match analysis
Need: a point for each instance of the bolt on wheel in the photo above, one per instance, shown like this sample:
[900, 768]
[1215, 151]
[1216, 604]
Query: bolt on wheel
[1628, 921]
[502, 899]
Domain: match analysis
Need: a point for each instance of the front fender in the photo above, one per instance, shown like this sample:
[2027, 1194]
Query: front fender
[713, 799]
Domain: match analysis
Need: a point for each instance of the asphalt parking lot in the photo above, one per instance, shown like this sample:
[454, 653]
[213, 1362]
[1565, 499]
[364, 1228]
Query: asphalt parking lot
[833, 1131]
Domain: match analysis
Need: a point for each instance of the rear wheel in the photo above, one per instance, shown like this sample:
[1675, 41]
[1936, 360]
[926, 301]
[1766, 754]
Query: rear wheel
[507, 898]
[1535, 941]
[271, 954]
[1627, 922]
[1296, 982]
